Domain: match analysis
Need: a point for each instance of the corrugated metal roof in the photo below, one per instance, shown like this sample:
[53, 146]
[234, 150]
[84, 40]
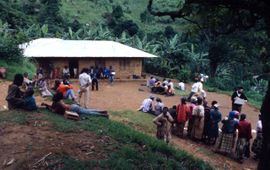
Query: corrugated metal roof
[54, 47]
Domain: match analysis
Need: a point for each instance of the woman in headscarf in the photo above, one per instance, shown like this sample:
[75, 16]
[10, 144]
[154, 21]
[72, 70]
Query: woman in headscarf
[226, 140]
[198, 126]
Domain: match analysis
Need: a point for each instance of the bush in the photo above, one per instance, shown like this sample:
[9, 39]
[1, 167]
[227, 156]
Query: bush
[19, 66]
[184, 75]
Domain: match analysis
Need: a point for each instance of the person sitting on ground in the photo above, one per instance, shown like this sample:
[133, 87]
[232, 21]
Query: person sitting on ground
[163, 122]
[147, 105]
[42, 86]
[170, 91]
[158, 106]
[181, 85]
[170, 83]
[158, 88]
[84, 82]
[29, 100]
[58, 106]
[15, 95]
[243, 141]
[26, 81]
[183, 110]
[56, 85]
[165, 82]
[215, 118]
[67, 90]
[257, 143]
[226, 140]
[151, 82]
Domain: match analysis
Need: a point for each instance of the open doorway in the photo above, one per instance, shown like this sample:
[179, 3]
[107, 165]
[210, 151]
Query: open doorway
[73, 68]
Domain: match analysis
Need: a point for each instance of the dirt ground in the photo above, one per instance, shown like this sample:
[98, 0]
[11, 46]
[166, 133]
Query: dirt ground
[119, 97]
[26, 145]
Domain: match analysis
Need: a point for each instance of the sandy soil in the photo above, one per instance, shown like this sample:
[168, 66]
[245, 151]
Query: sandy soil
[129, 95]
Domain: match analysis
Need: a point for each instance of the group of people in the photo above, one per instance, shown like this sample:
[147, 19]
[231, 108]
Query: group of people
[21, 95]
[165, 87]
[198, 121]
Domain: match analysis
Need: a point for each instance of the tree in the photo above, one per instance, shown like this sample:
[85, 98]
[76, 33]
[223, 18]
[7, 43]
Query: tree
[244, 14]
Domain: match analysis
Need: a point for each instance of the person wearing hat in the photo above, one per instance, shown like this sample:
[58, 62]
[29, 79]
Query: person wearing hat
[147, 105]
[212, 129]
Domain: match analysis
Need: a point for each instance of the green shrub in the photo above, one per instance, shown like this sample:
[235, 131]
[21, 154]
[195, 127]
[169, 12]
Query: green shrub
[19, 66]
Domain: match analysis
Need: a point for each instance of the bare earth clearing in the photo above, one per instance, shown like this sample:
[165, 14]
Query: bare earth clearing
[119, 97]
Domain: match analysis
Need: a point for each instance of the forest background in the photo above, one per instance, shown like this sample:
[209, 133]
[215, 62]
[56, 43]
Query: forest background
[186, 47]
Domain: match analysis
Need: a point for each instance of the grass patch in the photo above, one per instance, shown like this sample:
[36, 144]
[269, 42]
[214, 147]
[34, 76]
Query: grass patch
[15, 116]
[135, 150]
[138, 120]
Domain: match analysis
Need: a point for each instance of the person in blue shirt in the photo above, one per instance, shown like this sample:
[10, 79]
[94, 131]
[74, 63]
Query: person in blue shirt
[29, 100]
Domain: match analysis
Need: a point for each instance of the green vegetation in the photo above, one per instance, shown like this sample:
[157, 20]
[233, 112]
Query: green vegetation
[134, 150]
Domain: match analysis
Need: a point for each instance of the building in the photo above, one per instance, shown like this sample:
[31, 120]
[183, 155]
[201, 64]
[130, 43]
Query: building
[54, 54]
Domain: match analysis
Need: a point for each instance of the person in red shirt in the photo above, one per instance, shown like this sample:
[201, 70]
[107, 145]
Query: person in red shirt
[67, 90]
[244, 136]
[182, 111]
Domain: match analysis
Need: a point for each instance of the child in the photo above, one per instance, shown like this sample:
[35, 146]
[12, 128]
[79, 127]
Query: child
[163, 122]
[29, 100]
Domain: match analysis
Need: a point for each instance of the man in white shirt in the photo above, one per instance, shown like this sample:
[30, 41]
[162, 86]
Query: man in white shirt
[84, 82]
[66, 73]
[194, 89]
[147, 105]
[181, 86]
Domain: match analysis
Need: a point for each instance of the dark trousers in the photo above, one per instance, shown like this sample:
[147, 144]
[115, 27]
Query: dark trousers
[94, 83]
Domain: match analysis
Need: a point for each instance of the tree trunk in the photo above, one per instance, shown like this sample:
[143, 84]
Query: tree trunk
[264, 163]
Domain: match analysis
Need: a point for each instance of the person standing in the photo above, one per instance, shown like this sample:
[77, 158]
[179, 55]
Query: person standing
[198, 125]
[244, 136]
[257, 143]
[94, 81]
[111, 75]
[226, 140]
[163, 122]
[66, 73]
[182, 111]
[238, 98]
[84, 82]
[215, 118]
[194, 89]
